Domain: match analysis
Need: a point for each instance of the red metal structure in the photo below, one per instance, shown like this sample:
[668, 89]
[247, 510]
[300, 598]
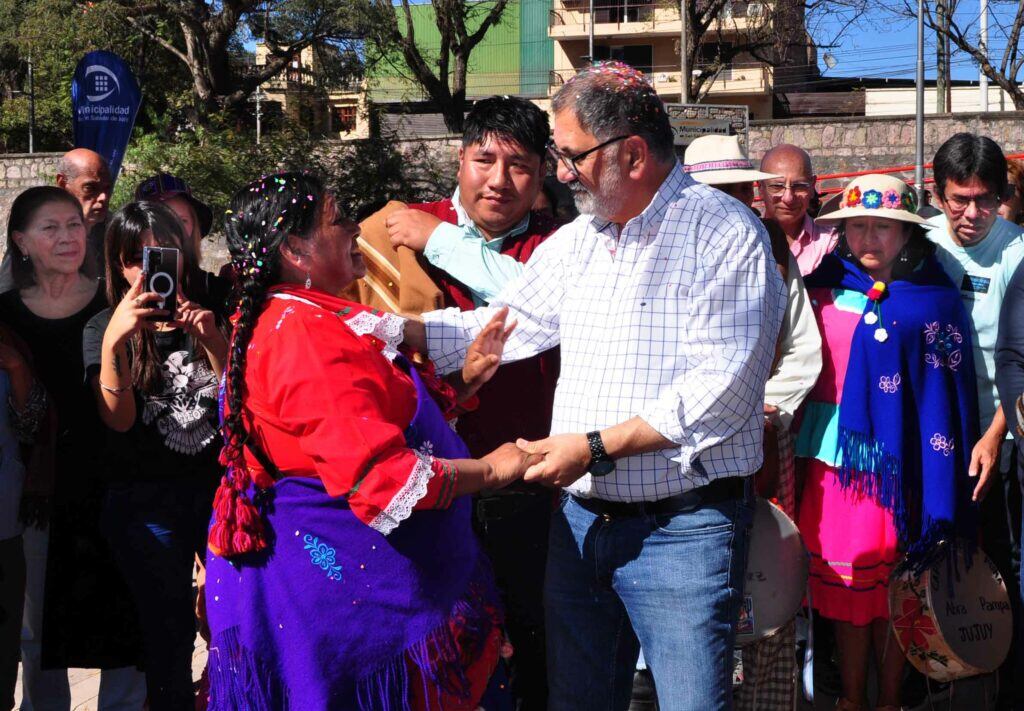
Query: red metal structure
[830, 190]
[825, 190]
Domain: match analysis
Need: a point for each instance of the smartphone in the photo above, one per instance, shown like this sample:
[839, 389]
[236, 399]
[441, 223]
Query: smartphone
[160, 267]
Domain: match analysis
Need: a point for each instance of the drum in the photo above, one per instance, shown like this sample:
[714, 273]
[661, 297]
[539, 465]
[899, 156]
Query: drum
[953, 621]
[777, 567]
[395, 280]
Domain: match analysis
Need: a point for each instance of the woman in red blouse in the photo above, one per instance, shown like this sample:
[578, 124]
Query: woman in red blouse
[342, 570]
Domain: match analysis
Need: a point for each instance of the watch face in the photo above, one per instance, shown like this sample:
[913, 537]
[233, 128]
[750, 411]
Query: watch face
[603, 467]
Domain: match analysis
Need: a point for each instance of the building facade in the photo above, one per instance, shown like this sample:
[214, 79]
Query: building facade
[299, 96]
[646, 34]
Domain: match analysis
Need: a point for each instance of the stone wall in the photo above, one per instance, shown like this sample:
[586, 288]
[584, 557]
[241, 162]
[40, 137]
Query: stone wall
[842, 145]
[19, 171]
[846, 145]
[443, 151]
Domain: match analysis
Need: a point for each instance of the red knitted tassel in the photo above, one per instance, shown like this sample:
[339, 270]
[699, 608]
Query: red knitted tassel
[220, 540]
[242, 542]
[237, 527]
[246, 516]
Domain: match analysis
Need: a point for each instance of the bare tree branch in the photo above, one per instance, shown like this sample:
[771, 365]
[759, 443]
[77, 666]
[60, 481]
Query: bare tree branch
[157, 38]
[1010, 64]
[459, 35]
[206, 30]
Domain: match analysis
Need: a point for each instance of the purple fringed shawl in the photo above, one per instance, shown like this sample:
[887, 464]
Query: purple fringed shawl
[333, 614]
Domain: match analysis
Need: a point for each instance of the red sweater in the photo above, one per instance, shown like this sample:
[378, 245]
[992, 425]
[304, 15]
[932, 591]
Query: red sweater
[517, 401]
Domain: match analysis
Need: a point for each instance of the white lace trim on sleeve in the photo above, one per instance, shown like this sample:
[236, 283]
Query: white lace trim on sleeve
[386, 326]
[400, 507]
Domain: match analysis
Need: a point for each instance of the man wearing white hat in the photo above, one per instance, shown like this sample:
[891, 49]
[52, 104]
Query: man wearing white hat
[769, 666]
[719, 161]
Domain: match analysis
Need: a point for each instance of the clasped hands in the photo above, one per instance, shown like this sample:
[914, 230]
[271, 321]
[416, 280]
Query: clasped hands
[554, 461]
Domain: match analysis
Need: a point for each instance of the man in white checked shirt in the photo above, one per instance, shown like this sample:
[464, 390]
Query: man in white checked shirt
[667, 303]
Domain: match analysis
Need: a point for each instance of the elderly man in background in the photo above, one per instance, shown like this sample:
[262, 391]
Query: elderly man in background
[787, 199]
[667, 303]
[84, 174]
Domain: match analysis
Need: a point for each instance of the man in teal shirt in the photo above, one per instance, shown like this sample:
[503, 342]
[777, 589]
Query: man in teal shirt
[474, 244]
[499, 178]
[980, 252]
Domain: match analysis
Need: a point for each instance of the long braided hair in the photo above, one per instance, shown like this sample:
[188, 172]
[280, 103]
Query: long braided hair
[260, 217]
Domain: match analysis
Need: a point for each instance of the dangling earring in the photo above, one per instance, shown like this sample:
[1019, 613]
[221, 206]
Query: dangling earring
[24, 257]
[309, 282]
[904, 257]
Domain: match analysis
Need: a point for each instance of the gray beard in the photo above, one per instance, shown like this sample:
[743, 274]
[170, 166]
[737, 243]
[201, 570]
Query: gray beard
[606, 198]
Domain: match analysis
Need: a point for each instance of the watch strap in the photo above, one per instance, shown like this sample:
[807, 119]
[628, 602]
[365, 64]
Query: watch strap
[597, 451]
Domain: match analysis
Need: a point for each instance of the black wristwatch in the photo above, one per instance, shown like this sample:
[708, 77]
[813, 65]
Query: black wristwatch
[600, 463]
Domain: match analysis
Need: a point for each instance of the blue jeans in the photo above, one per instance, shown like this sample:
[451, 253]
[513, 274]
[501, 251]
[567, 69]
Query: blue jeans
[155, 529]
[671, 583]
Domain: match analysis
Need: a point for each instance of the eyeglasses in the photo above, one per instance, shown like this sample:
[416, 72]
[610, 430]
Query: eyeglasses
[570, 161]
[777, 188]
[982, 203]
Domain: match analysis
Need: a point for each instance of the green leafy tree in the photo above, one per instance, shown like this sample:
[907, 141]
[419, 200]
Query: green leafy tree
[217, 160]
[55, 34]
[207, 39]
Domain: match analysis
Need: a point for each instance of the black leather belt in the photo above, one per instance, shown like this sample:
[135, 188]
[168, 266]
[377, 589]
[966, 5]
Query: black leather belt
[716, 492]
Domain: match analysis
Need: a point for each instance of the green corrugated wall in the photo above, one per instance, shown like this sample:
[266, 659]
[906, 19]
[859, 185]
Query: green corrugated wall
[493, 65]
[537, 52]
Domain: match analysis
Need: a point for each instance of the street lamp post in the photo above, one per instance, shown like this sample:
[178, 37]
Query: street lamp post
[258, 98]
[31, 106]
[983, 46]
[919, 147]
[590, 33]
[684, 75]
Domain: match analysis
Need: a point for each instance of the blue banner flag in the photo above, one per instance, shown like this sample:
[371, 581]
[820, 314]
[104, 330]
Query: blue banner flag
[104, 101]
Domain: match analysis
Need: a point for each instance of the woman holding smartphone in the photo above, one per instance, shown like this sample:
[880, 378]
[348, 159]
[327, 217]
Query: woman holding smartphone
[155, 376]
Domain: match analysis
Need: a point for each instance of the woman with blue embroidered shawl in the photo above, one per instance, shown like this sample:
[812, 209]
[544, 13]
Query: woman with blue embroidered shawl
[343, 572]
[887, 430]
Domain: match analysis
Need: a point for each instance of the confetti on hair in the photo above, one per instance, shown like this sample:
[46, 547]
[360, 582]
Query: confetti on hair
[618, 78]
[255, 255]
[622, 75]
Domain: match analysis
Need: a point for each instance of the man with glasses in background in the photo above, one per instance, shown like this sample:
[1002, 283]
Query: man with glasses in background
[980, 252]
[787, 199]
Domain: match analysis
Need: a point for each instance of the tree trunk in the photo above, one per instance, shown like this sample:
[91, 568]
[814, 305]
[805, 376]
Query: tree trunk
[454, 111]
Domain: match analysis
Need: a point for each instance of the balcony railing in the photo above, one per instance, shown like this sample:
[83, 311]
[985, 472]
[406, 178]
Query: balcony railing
[569, 17]
[745, 79]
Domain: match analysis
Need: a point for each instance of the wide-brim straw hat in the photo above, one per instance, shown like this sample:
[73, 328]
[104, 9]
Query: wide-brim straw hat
[719, 160]
[876, 195]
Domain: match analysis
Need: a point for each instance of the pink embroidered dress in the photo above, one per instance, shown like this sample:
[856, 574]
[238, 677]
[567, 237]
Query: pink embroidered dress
[851, 538]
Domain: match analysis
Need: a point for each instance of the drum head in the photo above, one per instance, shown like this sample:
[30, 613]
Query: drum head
[972, 610]
[953, 622]
[776, 577]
